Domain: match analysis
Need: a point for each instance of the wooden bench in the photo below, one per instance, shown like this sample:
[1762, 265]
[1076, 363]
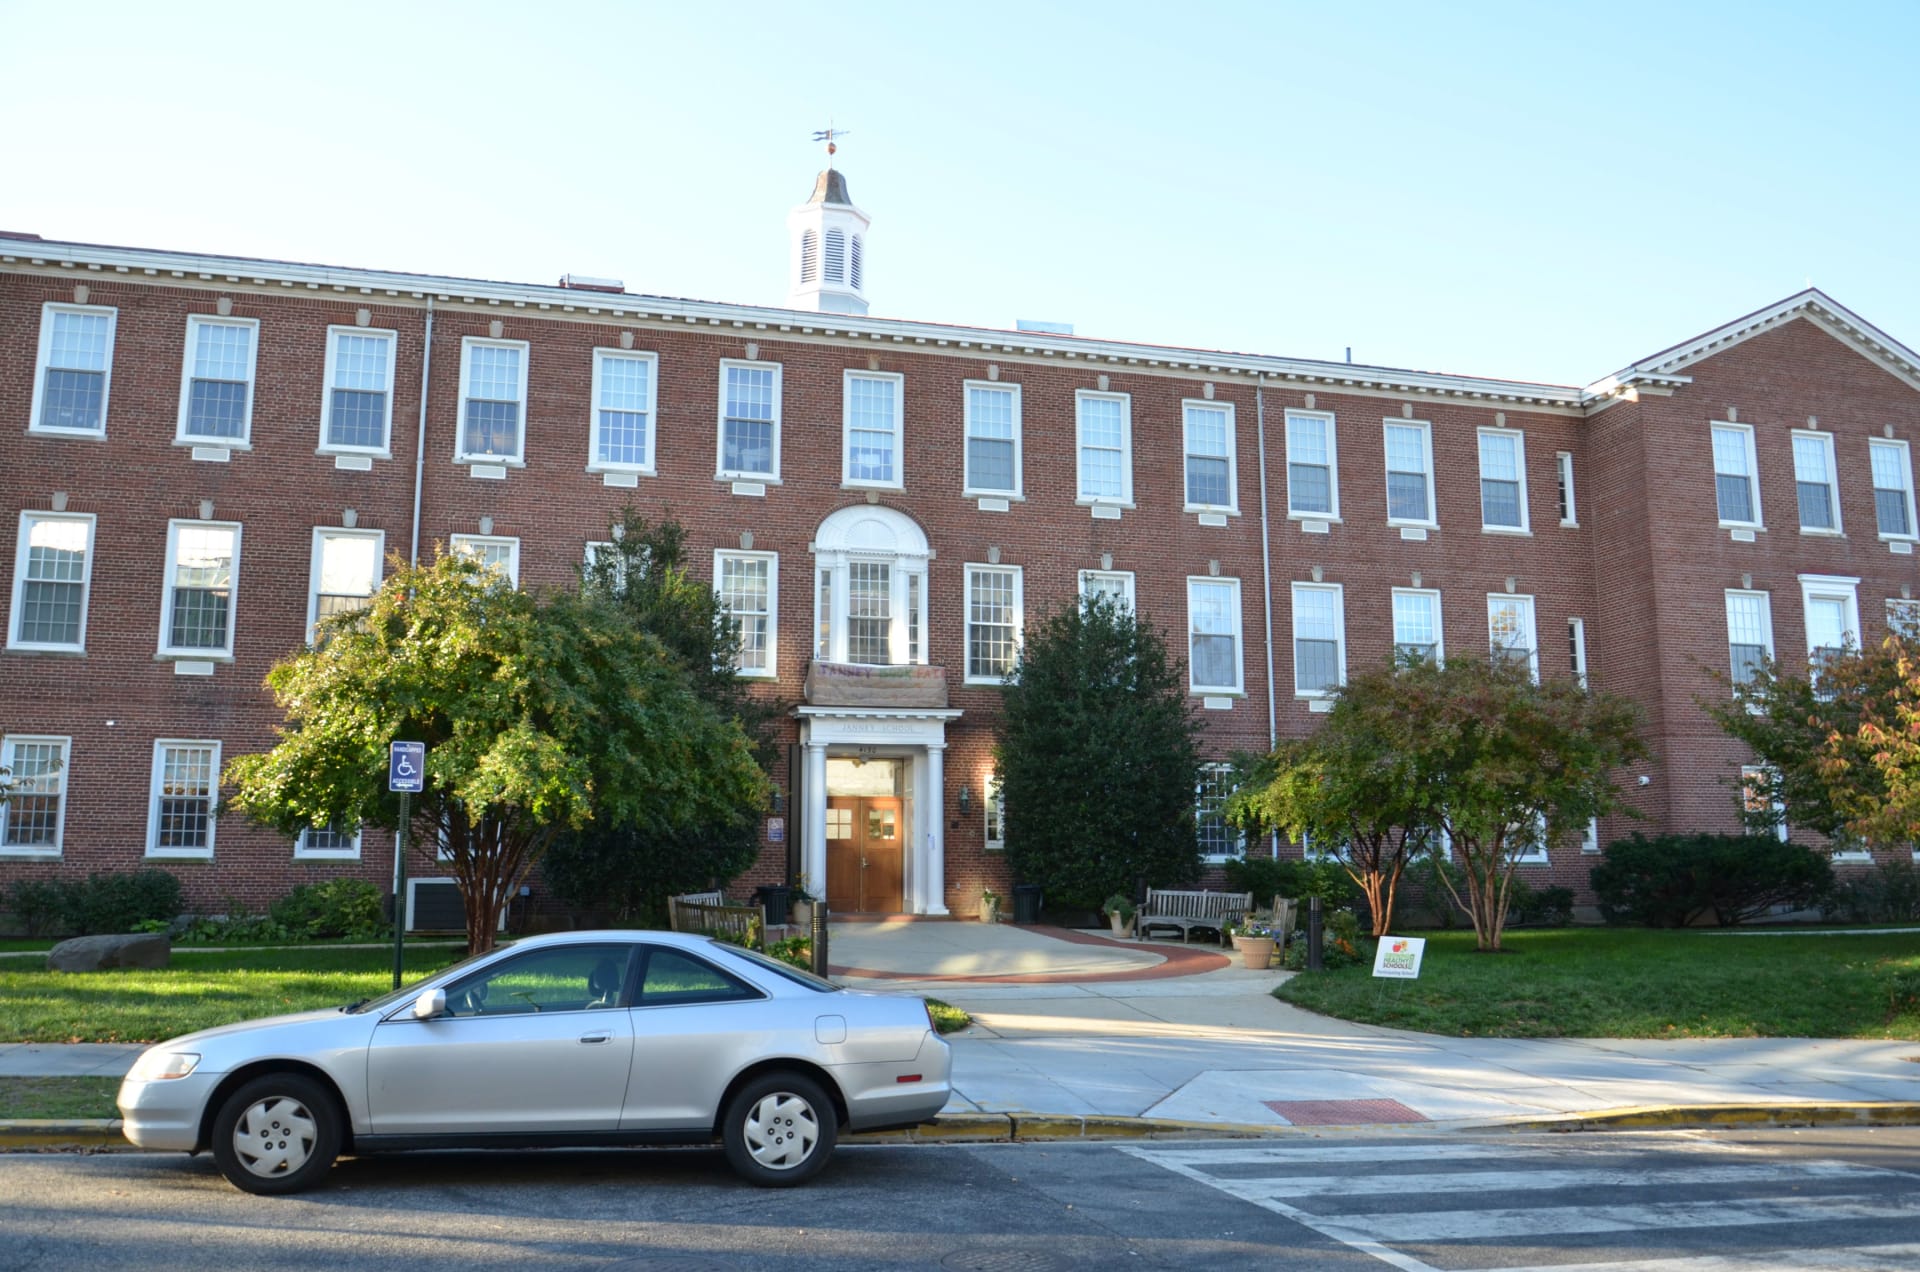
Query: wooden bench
[1170, 908]
[715, 897]
[741, 924]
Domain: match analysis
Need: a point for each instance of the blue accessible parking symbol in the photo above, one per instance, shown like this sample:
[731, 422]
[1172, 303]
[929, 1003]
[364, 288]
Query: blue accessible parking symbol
[407, 767]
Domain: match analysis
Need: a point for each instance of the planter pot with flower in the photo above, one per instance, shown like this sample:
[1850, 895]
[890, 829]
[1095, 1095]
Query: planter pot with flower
[989, 907]
[1120, 911]
[1256, 945]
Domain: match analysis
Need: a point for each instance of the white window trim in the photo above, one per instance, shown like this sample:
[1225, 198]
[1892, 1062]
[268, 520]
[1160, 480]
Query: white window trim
[1838, 528]
[1520, 461]
[1533, 625]
[1333, 467]
[1766, 621]
[327, 386]
[1906, 464]
[966, 612]
[224, 654]
[1781, 830]
[20, 582]
[1894, 605]
[43, 359]
[899, 382]
[1232, 506]
[992, 800]
[303, 853]
[1234, 834]
[467, 344]
[1439, 622]
[30, 853]
[1834, 587]
[720, 555]
[1339, 592]
[153, 802]
[720, 470]
[1125, 497]
[1563, 475]
[1753, 476]
[968, 489]
[459, 542]
[1127, 581]
[320, 535]
[1577, 644]
[1538, 857]
[595, 464]
[1432, 519]
[1238, 687]
[835, 565]
[195, 324]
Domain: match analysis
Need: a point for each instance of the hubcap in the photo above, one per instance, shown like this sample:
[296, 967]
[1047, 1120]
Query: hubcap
[275, 1136]
[782, 1130]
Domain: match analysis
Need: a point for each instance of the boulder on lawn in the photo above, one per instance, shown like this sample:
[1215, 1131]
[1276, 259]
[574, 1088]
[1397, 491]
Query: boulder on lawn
[94, 953]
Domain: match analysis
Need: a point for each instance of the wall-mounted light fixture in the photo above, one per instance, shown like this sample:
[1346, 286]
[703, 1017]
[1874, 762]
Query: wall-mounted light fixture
[966, 800]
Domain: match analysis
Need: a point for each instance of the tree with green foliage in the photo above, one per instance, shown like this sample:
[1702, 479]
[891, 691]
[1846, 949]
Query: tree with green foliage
[631, 868]
[1097, 758]
[539, 715]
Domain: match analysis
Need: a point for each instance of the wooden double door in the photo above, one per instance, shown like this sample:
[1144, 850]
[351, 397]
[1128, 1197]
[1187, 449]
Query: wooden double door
[866, 861]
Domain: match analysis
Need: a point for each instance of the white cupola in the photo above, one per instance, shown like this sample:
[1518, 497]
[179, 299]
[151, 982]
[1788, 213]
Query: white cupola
[827, 237]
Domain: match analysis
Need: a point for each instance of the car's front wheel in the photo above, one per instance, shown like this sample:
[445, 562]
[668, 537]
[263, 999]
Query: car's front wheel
[278, 1133]
[779, 1130]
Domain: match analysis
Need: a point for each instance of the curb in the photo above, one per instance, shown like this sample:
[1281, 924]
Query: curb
[1655, 1116]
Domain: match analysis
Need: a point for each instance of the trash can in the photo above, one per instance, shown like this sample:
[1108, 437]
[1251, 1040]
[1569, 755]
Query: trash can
[1026, 903]
[778, 898]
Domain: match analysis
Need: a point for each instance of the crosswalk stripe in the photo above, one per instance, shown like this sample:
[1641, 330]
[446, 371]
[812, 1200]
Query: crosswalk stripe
[1878, 1258]
[1395, 1184]
[1555, 1221]
[1321, 1154]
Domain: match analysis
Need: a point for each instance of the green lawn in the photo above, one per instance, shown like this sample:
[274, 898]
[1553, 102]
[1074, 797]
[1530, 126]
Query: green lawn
[57, 1097]
[1617, 983]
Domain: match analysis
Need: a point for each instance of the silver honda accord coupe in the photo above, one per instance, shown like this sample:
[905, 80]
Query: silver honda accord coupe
[579, 1038]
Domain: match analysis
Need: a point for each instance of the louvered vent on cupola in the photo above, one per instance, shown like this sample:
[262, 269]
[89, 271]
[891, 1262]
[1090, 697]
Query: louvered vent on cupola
[836, 256]
[858, 244]
[809, 256]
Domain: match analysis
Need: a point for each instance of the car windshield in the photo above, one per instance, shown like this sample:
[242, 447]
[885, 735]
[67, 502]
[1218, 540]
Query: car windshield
[412, 990]
[799, 976]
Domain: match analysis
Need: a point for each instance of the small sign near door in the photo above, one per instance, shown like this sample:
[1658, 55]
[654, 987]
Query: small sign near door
[776, 830]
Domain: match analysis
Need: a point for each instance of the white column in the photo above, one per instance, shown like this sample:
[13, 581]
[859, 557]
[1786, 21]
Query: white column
[933, 885]
[815, 863]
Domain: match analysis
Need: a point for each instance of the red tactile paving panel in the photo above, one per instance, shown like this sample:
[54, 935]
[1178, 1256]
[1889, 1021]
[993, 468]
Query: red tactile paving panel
[1342, 1112]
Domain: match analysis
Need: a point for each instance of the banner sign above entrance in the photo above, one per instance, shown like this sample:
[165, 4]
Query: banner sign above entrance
[848, 685]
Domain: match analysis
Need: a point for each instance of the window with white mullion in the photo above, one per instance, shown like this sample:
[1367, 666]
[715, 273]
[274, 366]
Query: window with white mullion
[74, 371]
[1563, 467]
[750, 421]
[1210, 460]
[1813, 476]
[493, 394]
[621, 431]
[872, 427]
[52, 576]
[1734, 490]
[870, 613]
[1892, 488]
[1903, 618]
[1503, 480]
[1313, 485]
[333, 841]
[499, 554]
[993, 439]
[1760, 804]
[1416, 624]
[344, 575]
[1577, 650]
[358, 411]
[1510, 631]
[1319, 639]
[1104, 445]
[993, 809]
[1213, 635]
[993, 604]
[746, 585]
[1409, 446]
[1831, 607]
[1115, 585]
[216, 386]
[1217, 840]
[180, 808]
[203, 568]
[1749, 633]
[33, 819]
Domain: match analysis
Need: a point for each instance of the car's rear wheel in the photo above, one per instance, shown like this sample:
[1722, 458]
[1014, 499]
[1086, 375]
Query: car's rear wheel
[278, 1133]
[779, 1130]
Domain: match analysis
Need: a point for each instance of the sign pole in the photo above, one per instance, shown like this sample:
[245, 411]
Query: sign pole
[399, 884]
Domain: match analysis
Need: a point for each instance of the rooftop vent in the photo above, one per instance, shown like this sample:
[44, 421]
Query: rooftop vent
[580, 282]
[1043, 328]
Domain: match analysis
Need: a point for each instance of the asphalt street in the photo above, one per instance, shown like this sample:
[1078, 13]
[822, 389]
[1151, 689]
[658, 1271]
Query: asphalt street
[1689, 1201]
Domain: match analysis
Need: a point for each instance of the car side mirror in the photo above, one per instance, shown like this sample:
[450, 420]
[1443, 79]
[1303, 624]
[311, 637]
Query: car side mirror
[430, 1004]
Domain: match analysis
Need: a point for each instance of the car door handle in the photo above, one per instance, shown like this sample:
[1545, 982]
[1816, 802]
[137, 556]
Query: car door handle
[597, 1037]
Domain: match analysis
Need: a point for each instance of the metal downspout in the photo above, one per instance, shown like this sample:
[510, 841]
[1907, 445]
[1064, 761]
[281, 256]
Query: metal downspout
[1266, 560]
[420, 442]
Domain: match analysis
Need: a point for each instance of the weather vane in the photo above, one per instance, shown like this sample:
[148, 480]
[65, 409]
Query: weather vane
[827, 135]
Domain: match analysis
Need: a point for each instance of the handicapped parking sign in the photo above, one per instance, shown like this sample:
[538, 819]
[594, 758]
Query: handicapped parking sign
[407, 767]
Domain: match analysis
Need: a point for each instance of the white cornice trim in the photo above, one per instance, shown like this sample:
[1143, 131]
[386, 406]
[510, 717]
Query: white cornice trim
[877, 713]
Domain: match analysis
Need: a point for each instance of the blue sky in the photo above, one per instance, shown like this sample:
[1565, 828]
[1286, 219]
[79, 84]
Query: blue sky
[1533, 191]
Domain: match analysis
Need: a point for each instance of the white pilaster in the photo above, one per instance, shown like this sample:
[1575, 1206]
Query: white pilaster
[816, 854]
[933, 886]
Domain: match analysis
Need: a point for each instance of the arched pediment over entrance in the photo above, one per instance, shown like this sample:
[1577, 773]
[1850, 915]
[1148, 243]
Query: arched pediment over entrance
[871, 530]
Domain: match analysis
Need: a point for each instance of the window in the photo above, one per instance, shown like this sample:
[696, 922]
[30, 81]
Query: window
[1319, 639]
[1313, 471]
[216, 381]
[1527, 841]
[1892, 489]
[1577, 650]
[186, 775]
[359, 376]
[1563, 466]
[994, 813]
[1416, 624]
[993, 439]
[872, 456]
[493, 389]
[1749, 634]
[1733, 469]
[1213, 635]
[52, 570]
[498, 553]
[32, 821]
[203, 569]
[331, 842]
[1813, 477]
[1115, 585]
[1903, 618]
[1410, 472]
[1832, 608]
[568, 978]
[750, 421]
[74, 370]
[1590, 837]
[870, 578]
[1760, 805]
[1104, 427]
[620, 435]
[1218, 840]
[993, 621]
[1510, 631]
[1503, 480]
[345, 573]
[1211, 480]
[747, 585]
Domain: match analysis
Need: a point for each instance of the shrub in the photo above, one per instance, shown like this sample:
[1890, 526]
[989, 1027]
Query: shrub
[99, 903]
[1340, 945]
[1265, 877]
[1890, 893]
[39, 905]
[1545, 907]
[797, 950]
[1673, 880]
[336, 908]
